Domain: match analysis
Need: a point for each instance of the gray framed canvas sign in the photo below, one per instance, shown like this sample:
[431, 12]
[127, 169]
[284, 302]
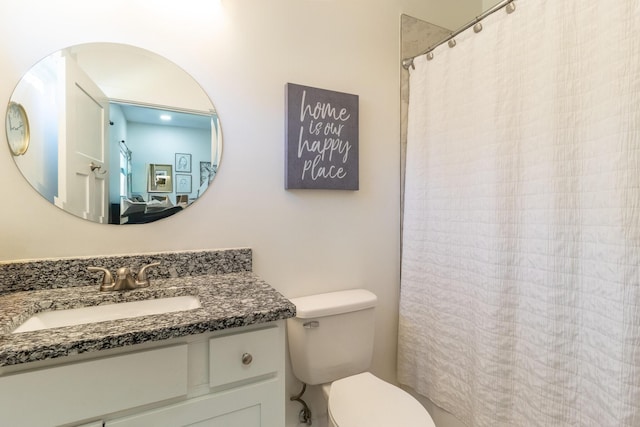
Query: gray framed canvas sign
[321, 139]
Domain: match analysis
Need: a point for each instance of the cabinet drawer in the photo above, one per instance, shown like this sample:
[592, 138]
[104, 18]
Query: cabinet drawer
[82, 390]
[241, 356]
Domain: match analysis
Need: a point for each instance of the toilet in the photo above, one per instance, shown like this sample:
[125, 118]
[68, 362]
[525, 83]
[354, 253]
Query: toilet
[331, 344]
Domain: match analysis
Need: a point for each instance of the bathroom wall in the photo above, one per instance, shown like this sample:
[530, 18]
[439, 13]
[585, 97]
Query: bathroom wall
[243, 52]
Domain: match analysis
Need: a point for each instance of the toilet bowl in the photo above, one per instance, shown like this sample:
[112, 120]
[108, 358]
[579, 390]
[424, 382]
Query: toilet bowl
[331, 344]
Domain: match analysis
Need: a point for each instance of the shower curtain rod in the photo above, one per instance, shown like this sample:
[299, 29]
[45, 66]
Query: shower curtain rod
[408, 62]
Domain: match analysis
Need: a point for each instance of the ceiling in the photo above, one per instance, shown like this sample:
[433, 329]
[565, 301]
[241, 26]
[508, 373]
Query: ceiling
[149, 115]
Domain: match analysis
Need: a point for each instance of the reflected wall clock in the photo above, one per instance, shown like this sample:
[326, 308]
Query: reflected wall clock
[17, 128]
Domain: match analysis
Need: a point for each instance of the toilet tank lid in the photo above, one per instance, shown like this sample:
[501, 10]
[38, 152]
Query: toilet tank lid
[332, 303]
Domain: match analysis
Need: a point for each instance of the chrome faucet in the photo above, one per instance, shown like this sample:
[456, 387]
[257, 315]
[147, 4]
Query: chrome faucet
[125, 279]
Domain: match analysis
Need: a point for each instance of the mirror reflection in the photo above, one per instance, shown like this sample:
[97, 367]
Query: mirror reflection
[116, 134]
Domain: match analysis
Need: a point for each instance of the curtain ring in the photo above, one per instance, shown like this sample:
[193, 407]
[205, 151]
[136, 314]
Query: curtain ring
[511, 7]
[477, 28]
[452, 42]
[408, 63]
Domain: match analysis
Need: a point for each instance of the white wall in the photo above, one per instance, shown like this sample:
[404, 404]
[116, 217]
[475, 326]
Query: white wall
[243, 54]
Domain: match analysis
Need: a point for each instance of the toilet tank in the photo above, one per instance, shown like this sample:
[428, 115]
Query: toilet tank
[331, 336]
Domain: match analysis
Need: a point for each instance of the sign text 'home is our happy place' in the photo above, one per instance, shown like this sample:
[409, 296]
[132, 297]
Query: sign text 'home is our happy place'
[321, 139]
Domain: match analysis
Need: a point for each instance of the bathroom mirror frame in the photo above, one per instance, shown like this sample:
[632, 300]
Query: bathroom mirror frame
[100, 115]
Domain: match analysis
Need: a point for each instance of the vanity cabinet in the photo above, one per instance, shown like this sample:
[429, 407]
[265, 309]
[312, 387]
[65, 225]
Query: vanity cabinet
[246, 369]
[233, 377]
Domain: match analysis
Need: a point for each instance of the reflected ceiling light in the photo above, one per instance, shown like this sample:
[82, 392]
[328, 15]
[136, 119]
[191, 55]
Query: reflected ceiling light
[165, 117]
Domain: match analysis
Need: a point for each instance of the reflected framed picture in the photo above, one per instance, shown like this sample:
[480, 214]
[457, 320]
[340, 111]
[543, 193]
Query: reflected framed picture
[207, 172]
[183, 183]
[183, 162]
[159, 179]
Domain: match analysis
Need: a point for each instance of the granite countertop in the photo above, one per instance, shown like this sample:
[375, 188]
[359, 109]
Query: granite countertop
[228, 301]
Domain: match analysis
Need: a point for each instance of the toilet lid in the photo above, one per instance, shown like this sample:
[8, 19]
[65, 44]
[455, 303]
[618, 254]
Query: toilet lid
[365, 400]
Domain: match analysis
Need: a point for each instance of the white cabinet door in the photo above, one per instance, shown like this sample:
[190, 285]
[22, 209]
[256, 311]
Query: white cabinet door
[255, 405]
[246, 417]
[80, 391]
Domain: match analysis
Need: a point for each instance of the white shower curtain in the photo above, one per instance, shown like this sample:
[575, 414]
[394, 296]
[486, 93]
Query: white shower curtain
[520, 298]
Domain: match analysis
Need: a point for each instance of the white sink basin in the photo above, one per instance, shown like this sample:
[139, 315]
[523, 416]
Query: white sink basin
[101, 313]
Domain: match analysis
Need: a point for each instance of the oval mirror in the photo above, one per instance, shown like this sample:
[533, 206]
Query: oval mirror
[113, 133]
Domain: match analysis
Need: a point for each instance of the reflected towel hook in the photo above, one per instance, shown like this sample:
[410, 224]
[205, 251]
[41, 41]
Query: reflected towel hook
[95, 167]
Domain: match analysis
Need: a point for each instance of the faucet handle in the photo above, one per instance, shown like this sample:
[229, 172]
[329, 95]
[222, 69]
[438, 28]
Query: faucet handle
[142, 274]
[107, 280]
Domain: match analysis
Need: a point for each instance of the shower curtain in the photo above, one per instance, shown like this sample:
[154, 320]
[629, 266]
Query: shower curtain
[520, 289]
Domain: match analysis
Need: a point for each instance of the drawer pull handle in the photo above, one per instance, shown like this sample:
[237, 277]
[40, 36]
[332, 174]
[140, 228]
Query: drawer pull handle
[247, 359]
[311, 324]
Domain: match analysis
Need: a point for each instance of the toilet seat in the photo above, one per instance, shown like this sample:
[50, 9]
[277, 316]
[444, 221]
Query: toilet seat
[365, 400]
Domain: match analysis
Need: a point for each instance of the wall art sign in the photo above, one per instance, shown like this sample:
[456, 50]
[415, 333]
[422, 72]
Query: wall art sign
[321, 139]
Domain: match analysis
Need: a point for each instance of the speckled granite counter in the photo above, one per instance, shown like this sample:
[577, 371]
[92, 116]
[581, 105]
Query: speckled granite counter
[228, 300]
